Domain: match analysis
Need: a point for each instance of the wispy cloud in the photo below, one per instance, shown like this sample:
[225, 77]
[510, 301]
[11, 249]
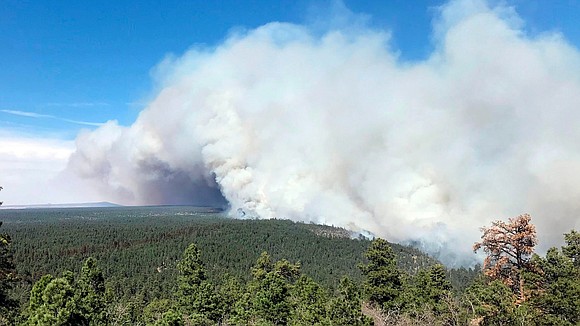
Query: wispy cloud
[85, 123]
[47, 116]
[27, 114]
[77, 104]
[137, 103]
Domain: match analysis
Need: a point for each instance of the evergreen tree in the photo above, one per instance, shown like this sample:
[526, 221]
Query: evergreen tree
[382, 280]
[52, 303]
[262, 266]
[7, 277]
[270, 289]
[493, 303]
[191, 268]
[556, 287]
[90, 293]
[308, 303]
[170, 318]
[290, 272]
[161, 312]
[232, 292]
[572, 248]
[345, 308]
[241, 312]
[271, 299]
[196, 295]
[427, 290]
[439, 287]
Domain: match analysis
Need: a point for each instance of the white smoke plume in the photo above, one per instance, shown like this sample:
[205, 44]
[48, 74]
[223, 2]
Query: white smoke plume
[335, 128]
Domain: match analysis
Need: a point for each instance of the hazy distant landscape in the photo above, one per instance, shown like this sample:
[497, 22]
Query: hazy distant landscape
[69, 205]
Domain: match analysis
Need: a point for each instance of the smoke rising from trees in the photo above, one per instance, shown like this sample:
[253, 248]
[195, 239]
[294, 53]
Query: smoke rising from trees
[283, 121]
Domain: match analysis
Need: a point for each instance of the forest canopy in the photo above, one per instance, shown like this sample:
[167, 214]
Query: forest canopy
[178, 266]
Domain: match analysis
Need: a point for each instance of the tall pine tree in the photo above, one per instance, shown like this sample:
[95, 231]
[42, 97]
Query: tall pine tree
[382, 280]
[196, 295]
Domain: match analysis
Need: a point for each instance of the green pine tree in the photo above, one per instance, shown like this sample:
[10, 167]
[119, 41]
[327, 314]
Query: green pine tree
[572, 247]
[270, 289]
[161, 312]
[493, 302]
[382, 280]
[555, 287]
[52, 303]
[345, 308]
[196, 295]
[271, 299]
[90, 293]
[309, 302]
[7, 278]
[231, 291]
[439, 288]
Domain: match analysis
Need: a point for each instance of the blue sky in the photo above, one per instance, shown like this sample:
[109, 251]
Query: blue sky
[91, 60]
[63, 62]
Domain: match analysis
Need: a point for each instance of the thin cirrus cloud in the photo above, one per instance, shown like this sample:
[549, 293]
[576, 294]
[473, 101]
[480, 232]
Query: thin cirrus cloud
[76, 104]
[48, 116]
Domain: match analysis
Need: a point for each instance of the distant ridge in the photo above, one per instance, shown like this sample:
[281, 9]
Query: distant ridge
[70, 205]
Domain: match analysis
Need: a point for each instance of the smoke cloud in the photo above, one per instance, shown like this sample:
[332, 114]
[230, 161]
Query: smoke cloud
[285, 122]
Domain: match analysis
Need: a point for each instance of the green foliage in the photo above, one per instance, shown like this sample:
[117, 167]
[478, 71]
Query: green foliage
[438, 288]
[138, 247]
[345, 308]
[7, 277]
[495, 302]
[382, 283]
[154, 275]
[90, 293]
[231, 291]
[127, 312]
[191, 269]
[555, 290]
[196, 296]
[155, 311]
[263, 266]
[552, 292]
[241, 312]
[52, 303]
[462, 277]
[288, 271]
[271, 299]
[270, 289]
[162, 312]
[170, 318]
[66, 301]
[572, 248]
[427, 290]
[308, 301]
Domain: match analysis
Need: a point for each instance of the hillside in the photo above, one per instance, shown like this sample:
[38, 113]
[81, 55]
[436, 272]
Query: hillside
[139, 246]
[195, 266]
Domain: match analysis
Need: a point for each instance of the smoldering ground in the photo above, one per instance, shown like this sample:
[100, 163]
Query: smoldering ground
[283, 121]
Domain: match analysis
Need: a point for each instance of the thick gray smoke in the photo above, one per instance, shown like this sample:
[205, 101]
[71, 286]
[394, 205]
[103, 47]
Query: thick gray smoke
[335, 128]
